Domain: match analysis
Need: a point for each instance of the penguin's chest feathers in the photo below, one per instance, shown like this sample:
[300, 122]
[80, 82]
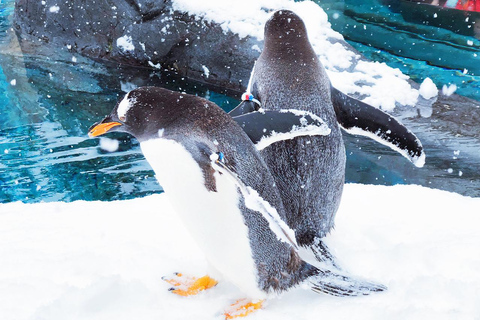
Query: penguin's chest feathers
[213, 218]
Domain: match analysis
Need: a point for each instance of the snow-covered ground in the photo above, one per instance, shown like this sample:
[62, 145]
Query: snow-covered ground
[105, 260]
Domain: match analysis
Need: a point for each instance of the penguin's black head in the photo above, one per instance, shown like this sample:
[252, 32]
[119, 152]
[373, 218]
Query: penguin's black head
[285, 25]
[143, 112]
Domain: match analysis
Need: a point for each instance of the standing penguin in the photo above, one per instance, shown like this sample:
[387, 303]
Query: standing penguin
[310, 171]
[234, 211]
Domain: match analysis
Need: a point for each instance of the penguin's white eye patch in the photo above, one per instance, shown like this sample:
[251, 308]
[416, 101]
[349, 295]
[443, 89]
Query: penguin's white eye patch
[124, 106]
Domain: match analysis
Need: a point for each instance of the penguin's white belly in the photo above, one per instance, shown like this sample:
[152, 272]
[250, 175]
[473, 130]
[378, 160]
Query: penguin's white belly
[213, 218]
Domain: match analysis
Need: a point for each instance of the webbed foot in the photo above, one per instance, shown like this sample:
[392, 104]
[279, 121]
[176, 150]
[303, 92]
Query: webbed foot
[189, 286]
[242, 308]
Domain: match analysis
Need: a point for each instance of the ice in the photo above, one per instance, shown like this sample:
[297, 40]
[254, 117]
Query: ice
[449, 90]
[428, 89]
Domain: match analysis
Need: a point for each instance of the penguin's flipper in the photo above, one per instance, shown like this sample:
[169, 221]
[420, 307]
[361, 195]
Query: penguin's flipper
[255, 202]
[359, 118]
[244, 107]
[265, 127]
[341, 285]
[189, 286]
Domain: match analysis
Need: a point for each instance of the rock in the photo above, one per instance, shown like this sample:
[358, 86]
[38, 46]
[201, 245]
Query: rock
[138, 32]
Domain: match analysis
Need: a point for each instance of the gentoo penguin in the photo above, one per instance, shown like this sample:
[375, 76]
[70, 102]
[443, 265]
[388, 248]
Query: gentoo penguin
[223, 191]
[310, 171]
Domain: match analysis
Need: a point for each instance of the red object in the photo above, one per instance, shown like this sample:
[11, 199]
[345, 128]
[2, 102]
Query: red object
[470, 5]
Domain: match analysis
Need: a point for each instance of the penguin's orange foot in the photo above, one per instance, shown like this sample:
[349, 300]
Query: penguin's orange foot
[242, 308]
[189, 286]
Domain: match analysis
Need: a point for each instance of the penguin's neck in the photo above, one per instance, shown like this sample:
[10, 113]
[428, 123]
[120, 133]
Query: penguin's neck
[289, 47]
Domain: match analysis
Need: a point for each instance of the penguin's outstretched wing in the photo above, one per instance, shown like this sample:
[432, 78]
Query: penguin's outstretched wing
[265, 127]
[359, 118]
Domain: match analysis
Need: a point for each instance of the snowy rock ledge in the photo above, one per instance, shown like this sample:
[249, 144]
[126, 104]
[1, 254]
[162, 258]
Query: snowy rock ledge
[224, 37]
[216, 42]
[144, 33]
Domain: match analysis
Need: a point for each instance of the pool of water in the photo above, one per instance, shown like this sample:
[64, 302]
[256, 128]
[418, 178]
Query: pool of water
[45, 153]
[381, 34]
[377, 30]
[48, 104]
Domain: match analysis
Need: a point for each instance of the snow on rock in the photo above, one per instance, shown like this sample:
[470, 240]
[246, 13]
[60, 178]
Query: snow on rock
[246, 18]
[105, 260]
[428, 89]
[206, 71]
[383, 86]
[449, 90]
[153, 65]
[391, 87]
[125, 43]
[54, 9]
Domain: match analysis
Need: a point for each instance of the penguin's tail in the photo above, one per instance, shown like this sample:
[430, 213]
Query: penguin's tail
[330, 278]
[321, 253]
[342, 285]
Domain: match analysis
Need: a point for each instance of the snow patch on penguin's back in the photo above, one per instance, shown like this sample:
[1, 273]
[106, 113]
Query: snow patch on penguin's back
[213, 218]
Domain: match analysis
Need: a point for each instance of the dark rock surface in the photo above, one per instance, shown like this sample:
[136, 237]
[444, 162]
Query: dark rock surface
[138, 32]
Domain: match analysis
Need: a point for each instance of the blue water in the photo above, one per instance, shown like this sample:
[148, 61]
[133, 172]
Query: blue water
[48, 103]
[420, 51]
[45, 154]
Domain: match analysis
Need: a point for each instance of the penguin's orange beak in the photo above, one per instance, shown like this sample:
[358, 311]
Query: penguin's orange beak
[102, 128]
